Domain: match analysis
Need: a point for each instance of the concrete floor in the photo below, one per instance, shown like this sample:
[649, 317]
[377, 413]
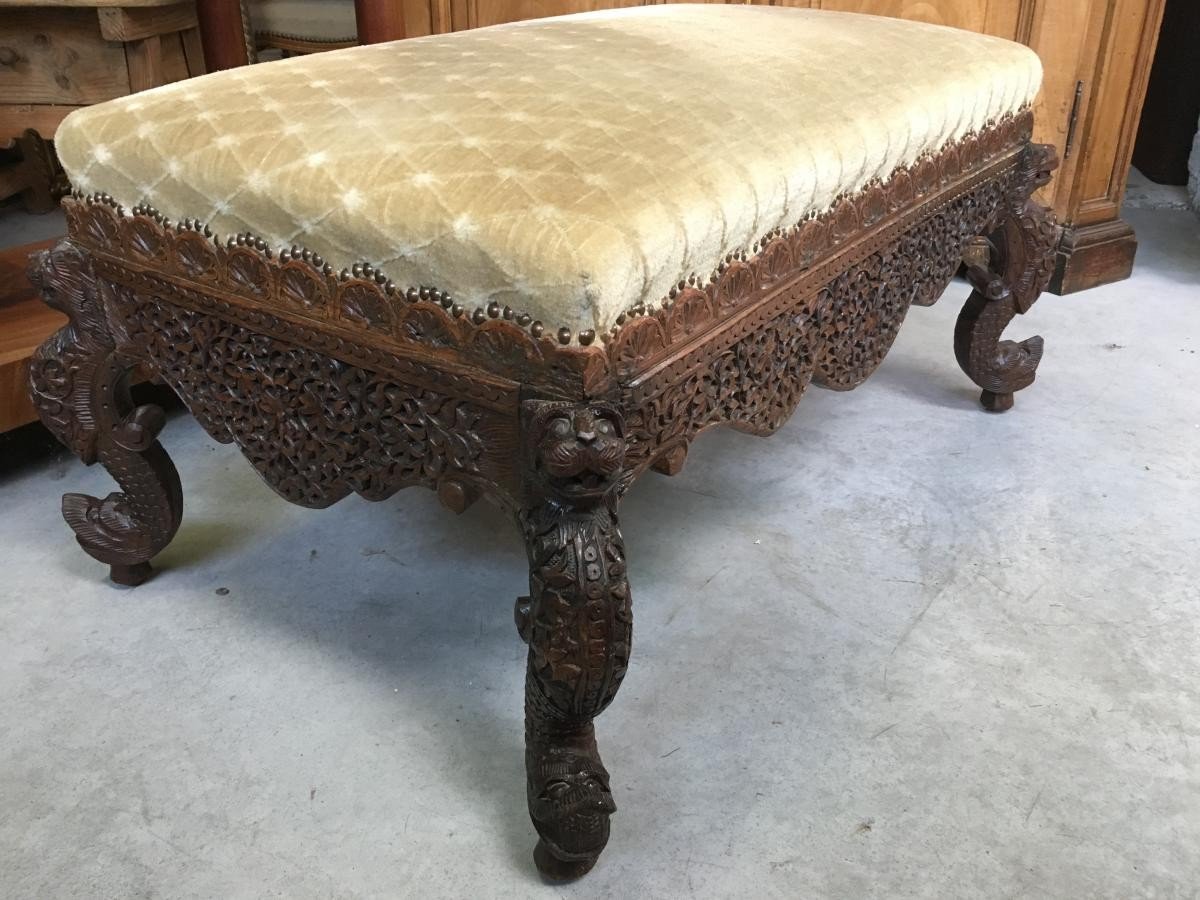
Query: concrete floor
[901, 649]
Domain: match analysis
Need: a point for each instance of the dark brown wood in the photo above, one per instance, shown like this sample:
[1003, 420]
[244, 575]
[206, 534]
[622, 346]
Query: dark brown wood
[29, 168]
[80, 387]
[577, 621]
[222, 34]
[379, 21]
[338, 382]
[1091, 255]
[1022, 261]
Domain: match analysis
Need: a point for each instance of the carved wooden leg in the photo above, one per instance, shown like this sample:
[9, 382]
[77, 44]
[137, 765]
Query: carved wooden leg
[578, 624]
[1021, 264]
[80, 387]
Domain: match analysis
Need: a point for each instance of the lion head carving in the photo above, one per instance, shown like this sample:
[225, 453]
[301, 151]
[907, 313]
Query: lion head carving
[579, 450]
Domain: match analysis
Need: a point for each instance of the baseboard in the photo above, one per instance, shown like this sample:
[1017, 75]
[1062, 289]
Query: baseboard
[1092, 255]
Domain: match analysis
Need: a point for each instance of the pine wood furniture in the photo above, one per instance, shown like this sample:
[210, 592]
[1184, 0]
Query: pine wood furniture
[25, 322]
[58, 55]
[334, 382]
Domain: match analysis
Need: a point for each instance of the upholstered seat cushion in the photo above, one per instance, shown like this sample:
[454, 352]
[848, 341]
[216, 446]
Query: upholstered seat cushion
[570, 168]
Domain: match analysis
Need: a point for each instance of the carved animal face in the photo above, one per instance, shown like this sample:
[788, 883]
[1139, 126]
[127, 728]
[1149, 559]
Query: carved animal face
[572, 805]
[57, 276]
[580, 451]
[63, 278]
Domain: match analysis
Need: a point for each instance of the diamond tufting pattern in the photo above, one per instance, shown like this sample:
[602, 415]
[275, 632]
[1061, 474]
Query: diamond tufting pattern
[570, 168]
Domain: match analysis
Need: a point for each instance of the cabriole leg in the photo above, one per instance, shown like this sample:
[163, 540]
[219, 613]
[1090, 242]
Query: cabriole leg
[80, 387]
[1022, 259]
[578, 624]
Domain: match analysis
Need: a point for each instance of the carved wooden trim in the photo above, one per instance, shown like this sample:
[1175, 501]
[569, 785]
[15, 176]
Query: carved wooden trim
[79, 385]
[430, 328]
[577, 621]
[317, 422]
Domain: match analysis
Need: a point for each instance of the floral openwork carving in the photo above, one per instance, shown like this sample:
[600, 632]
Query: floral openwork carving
[314, 427]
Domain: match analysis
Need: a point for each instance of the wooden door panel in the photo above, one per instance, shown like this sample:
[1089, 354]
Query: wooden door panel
[1105, 138]
[1065, 35]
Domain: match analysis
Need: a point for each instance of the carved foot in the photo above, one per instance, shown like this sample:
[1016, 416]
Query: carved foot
[130, 576]
[577, 621]
[79, 385]
[558, 870]
[570, 802]
[1022, 259]
[996, 402]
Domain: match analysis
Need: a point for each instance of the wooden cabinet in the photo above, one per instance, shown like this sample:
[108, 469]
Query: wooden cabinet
[1097, 56]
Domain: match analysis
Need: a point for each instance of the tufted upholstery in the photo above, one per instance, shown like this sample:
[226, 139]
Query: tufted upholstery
[568, 167]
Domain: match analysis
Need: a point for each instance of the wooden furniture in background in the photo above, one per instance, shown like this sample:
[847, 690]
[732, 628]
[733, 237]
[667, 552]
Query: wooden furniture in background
[58, 55]
[224, 35]
[379, 20]
[232, 36]
[25, 322]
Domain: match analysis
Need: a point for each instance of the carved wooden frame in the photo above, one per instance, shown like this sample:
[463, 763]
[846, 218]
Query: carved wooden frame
[333, 382]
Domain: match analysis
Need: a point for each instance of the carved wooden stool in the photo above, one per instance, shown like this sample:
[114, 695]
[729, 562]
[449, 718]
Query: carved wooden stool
[634, 235]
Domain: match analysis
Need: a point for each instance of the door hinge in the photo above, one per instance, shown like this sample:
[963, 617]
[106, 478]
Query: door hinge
[1073, 121]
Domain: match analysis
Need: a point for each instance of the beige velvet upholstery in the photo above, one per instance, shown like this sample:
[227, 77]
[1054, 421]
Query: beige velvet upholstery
[568, 167]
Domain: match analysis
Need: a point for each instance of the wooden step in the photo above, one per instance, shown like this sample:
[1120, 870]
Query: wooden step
[25, 321]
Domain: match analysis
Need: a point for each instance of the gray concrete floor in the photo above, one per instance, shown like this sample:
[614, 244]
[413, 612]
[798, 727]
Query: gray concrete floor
[901, 649]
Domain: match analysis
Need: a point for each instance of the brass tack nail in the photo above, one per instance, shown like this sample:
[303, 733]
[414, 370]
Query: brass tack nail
[524, 319]
[564, 335]
[479, 316]
[493, 309]
[457, 310]
[536, 329]
[586, 337]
